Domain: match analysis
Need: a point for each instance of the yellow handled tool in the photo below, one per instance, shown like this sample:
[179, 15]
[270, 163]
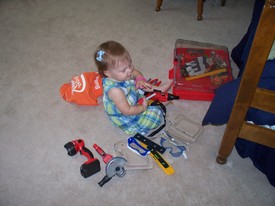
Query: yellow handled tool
[206, 74]
[168, 169]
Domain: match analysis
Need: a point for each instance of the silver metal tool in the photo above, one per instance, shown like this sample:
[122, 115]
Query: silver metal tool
[114, 167]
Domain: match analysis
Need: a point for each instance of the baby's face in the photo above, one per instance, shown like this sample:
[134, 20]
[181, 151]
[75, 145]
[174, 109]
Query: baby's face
[122, 71]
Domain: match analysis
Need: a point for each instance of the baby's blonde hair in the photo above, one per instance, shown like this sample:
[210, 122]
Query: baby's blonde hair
[109, 54]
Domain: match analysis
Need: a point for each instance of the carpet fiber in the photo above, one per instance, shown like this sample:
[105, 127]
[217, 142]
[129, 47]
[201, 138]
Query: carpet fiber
[44, 43]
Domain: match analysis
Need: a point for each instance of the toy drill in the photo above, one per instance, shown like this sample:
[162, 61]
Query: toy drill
[114, 165]
[163, 96]
[158, 95]
[92, 165]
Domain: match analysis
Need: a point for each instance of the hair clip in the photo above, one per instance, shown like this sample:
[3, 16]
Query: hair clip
[100, 53]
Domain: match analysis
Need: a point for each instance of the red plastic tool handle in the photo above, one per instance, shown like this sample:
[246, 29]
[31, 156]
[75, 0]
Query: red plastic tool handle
[106, 157]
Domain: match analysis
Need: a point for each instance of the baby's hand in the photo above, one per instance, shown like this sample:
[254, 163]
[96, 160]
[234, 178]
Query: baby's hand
[143, 85]
[145, 103]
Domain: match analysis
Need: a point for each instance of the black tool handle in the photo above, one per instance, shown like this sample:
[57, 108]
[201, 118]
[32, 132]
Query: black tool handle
[86, 152]
[104, 180]
[149, 143]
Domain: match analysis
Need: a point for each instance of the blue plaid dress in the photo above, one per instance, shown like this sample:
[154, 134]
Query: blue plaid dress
[142, 123]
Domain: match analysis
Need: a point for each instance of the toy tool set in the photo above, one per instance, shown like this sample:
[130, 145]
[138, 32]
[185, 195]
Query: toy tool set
[139, 152]
[199, 69]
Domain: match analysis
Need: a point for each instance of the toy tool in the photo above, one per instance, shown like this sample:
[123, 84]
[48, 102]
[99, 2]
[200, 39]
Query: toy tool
[134, 146]
[162, 96]
[140, 101]
[106, 157]
[162, 163]
[155, 151]
[114, 165]
[149, 143]
[92, 165]
[206, 74]
[175, 150]
[156, 82]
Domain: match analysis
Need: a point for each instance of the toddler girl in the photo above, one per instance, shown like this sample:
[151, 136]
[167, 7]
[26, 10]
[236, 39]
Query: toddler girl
[121, 84]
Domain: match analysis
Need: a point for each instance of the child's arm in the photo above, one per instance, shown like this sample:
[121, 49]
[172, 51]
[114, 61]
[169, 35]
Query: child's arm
[118, 97]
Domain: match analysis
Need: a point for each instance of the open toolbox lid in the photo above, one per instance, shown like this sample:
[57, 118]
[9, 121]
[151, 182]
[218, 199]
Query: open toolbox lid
[199, 69]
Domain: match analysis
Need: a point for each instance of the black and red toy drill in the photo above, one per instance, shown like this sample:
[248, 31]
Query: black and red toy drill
[92, 165]
[163, 96]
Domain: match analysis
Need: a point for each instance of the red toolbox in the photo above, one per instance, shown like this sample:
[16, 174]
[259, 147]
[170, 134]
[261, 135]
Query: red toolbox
[199, 69]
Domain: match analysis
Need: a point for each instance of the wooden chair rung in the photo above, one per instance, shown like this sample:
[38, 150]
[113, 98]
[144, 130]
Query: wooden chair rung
[258, 134]
[264, 100]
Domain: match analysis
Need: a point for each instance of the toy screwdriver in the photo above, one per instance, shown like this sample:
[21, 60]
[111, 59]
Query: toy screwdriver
[140, 101]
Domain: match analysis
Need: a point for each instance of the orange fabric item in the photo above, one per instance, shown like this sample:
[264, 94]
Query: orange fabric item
[84, 89]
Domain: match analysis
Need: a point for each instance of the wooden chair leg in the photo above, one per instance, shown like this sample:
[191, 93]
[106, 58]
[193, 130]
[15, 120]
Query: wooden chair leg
[223, 2]
[199, 9]
[227, 144]
[248, 93]
[159, 3]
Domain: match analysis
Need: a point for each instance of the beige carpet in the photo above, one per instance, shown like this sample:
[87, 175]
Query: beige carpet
[44, 43]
